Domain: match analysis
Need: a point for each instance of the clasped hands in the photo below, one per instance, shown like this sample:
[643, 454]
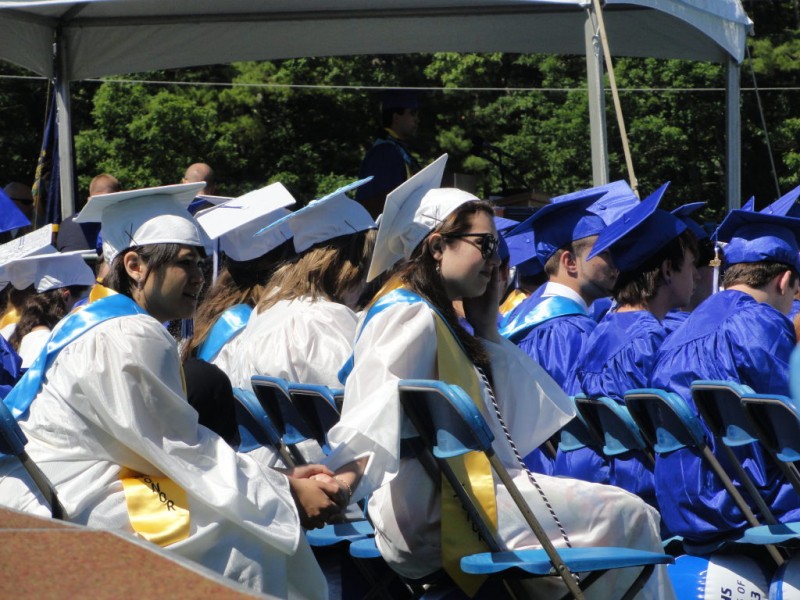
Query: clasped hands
[319, 498]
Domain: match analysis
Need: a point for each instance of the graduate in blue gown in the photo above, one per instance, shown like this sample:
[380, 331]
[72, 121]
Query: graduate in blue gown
[552, 326]
[655, 253]
[741, 335]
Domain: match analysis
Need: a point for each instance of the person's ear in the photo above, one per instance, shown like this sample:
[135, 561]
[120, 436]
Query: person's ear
[436, 246]
[568, 262]
[134, 267]
[666, 271]
[784, 283]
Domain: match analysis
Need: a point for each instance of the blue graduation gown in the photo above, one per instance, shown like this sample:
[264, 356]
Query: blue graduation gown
[674, 319]
[557, 344]
[623, 353]
[728, 337]
[10, 367]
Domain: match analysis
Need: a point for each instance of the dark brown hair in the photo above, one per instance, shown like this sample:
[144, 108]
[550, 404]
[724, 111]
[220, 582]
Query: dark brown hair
[641, 285]
[756, 274]
[154, 256]
[420, 275]
[42, 309]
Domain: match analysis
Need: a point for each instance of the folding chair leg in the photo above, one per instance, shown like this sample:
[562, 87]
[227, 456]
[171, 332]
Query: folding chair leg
[562, 569]
[744, 478]
[740, 502]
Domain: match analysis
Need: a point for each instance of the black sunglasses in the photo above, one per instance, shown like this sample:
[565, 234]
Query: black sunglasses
[488, 242]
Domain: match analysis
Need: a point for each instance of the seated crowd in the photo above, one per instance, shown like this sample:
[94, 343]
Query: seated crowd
[114, 405]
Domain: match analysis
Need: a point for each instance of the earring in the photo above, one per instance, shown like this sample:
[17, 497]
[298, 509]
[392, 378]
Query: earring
[439, 267]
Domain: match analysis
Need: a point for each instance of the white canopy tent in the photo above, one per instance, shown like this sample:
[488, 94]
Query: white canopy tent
[105, 37]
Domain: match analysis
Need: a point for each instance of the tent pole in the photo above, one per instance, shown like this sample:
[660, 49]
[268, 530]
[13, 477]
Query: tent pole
[733, 137]
[597, 103]
[66, 173]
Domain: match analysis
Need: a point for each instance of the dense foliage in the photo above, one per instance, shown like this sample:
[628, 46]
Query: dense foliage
[268, 127]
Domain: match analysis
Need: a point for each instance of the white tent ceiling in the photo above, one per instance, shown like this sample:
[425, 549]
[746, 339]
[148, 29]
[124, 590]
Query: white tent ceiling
[108, 37]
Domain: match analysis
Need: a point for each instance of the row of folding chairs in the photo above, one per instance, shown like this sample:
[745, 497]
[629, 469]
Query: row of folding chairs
[654, 421]
[448, 424]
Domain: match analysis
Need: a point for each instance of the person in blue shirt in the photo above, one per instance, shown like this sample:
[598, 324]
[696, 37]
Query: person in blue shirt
[655, 253]
[389, 160]
[741, 335]
[552, 326]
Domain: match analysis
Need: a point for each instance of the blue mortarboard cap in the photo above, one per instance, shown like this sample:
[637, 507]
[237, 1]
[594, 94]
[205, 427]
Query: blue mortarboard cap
[11, 217]
[758, 236]
[399, 99]
[750, 204]
[786, 205]
[616, 192]
[557, 224]
[503, 225]
[684, 213]
[639, 233]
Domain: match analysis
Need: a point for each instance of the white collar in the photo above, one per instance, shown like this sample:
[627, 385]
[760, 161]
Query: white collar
[552, 288]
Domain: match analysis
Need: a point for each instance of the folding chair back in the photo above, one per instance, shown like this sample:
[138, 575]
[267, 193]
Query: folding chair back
[274, 396]
[317, 406]
[776, 421]
[256, 428]
[719, 404]
[612, 422]
[577, 434]
[12, 443]
[669, 423]
[449, 424]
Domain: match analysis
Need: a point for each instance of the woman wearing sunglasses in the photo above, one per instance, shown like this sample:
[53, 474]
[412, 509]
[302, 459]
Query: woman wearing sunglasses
[444, 241]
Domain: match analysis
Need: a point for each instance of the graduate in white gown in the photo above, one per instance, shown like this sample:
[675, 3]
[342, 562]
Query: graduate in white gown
[107, 420]
[410, 331]
[246, 264]
[303, 327]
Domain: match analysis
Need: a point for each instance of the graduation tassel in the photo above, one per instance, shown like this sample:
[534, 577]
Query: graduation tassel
[716, 263]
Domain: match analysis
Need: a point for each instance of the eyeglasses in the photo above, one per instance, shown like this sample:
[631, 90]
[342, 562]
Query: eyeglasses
[488, 243]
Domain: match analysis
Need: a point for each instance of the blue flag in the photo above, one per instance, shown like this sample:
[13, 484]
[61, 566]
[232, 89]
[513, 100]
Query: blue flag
[47, 183]
[11, 217]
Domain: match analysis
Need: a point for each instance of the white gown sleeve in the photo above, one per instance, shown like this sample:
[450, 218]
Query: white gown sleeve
[129, 380]
[397, 343]
[533, 405]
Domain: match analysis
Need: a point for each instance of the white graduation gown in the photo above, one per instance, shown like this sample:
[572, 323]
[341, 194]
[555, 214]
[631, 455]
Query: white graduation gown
[400, 343]
[299, 340]
[114, 398]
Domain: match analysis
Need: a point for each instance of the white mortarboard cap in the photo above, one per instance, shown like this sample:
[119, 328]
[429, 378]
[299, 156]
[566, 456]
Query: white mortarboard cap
[320, 220]
[156, 215]
[48, 271]
[412, 210]
[35, 242]
[236, 221]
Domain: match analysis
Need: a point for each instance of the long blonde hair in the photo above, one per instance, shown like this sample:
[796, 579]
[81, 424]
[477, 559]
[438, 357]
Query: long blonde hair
[326, 271]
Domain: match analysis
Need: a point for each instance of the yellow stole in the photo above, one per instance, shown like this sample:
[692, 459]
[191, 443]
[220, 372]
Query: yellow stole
[10, 316]
[459, 539]
[472, 469]
[99, 291]
[511, 302]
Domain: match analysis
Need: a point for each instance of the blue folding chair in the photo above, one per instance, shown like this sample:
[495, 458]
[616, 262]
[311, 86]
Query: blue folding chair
[12, 443]
[274, 396]
[720, 406]
[449, 424]
[317, 406]
[256, 428]
[668, 423]
[610, 421]
[576, 434]
[776, 422]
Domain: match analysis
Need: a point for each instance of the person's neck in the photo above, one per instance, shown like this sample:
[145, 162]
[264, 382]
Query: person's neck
[571, 283]
[758, 294]
[394, 134]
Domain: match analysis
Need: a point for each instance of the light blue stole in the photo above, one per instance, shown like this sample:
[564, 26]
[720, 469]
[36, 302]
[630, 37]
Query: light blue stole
[229, 323]
[71, 328]
[549, 308]
[396, 296]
